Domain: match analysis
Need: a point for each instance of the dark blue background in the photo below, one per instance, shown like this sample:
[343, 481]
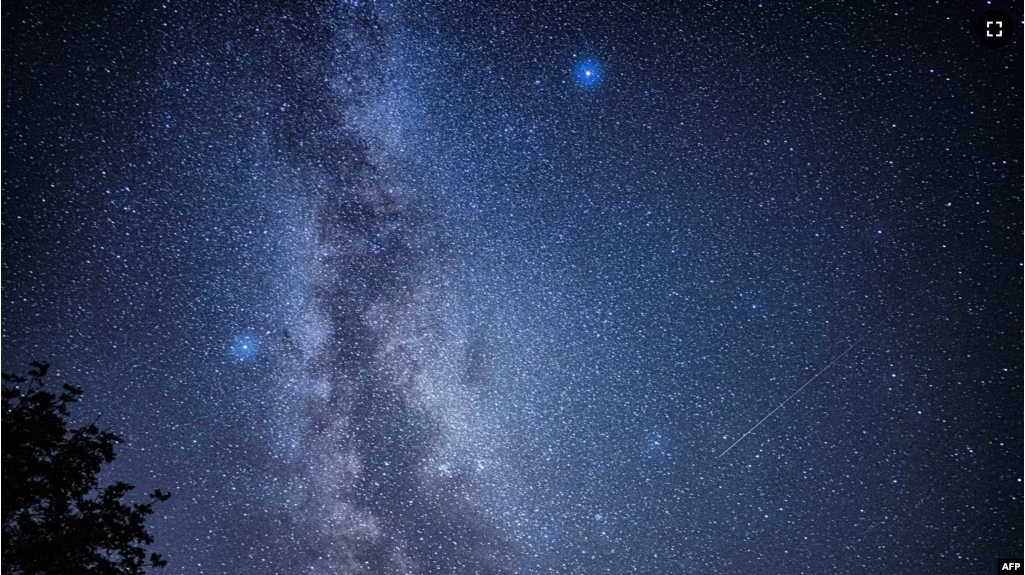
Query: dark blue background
[504, 322]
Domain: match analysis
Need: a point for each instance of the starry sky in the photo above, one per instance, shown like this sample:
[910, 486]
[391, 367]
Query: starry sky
[492, 288]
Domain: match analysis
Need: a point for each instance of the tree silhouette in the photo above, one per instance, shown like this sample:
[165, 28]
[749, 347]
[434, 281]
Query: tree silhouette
[56, 520]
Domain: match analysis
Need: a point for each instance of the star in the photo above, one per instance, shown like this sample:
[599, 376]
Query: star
[658, 444]
[588, 73]
[244, 347]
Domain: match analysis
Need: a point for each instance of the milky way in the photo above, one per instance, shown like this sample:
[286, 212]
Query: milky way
[386, 485]
[484, 288]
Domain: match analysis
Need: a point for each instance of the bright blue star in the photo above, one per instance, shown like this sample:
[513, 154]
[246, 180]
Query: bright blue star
[588, 73]
[244, 347]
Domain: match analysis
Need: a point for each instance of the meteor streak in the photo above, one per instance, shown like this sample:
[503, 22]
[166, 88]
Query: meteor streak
[823, 370]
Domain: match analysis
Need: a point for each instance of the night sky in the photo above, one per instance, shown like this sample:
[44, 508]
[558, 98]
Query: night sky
[460, 288]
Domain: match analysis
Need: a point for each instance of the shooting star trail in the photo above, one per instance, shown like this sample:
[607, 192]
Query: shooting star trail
[873, 526]
[828, 365]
